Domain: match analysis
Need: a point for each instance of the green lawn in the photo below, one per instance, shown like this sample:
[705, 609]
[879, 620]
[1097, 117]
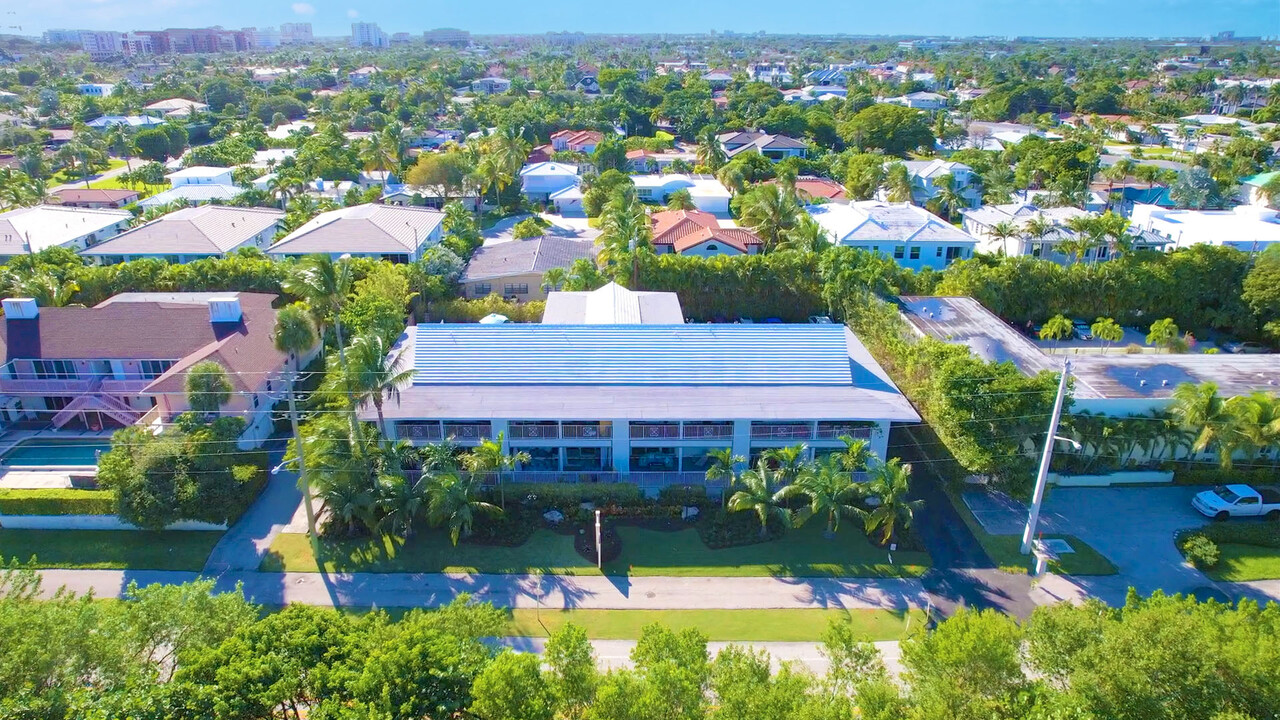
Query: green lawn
[62, 176]
[801, 553]
[721, 625]
[114, 183]
[109, 549]
[1241, 563]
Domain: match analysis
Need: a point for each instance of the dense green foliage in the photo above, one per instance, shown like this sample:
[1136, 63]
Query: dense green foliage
[56, 501]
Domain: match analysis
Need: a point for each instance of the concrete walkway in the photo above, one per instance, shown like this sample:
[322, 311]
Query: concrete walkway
[244, 545]
[520, 591]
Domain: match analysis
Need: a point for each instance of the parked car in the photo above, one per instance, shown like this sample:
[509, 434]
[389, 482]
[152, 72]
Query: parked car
[1083, 330]
[1246, 347]
[1228, 501]
[819, 319]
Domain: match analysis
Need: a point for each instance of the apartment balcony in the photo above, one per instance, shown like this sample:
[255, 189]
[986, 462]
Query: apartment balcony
[586, 431]
[659, 480]
[708, 431]
[770, 431]
[517, 477]
[468, 432]
[533, 431]
[666, 431]
[834, 432]
[419, 432]
[128, 386]
[29, 384]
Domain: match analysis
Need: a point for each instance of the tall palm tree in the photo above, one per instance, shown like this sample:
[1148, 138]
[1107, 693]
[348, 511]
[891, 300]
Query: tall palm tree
[324, 284]
[1108, 331]
[950, 197]
[1003, 231]
[488, 457]
[374, 153]
[1199, 410]
[787, 461]
[400, 501]
[1057, 329]
[730, 175]
[452, 502]
[897, 182]
[831, 491]
[374, 374]
[295, 335]
[1038, 228]
[680, 200]
[770, 213]
[890, 484]
[808, 235]
[624, 232]
[1253, 421]
[723, 466]
[761, 492]
[857, 454]
[710, 152]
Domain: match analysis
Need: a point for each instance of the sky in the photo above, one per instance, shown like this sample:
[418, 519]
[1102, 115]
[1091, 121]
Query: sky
[1050, 18]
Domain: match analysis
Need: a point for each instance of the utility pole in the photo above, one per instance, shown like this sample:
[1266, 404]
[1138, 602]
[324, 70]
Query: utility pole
[1042, 478]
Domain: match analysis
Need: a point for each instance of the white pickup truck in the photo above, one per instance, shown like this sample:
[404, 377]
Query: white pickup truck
[1228, 501]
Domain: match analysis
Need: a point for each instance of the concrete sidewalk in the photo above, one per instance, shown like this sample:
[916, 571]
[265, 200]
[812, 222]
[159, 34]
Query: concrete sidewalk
[523, 591]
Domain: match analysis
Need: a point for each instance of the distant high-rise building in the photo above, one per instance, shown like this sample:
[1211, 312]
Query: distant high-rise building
[447, 36]
[566, 39]
[267, 38]
[296, 34]
[368, 35]
[135, 44]
[63, 37]
[100, 43]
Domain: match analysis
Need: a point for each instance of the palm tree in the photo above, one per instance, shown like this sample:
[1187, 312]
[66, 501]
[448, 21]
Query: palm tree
[400, 502]
[439, 457]
[47, 289]
[624, 231]
[758, 493]
[1163, 333]
[897, 183]
[324, 284]
[710, 152]
[808, 235]
[1254, 421]
[890, 483]
[1037, 228]
[553, 279]
[1003, 231]
[950, 197]
[680, 200]
[350, 502]
[295, 335]
[787, 461]
[770, 213]
[1199, 410]
[488, 457]
[723, 467]
[831, 491]
[857, 454]
[284, 186]
[1057, 328]
[491, 176]
[730, 175]
[452, 502]
[1108, 331]
[374, 374]
[374, 154]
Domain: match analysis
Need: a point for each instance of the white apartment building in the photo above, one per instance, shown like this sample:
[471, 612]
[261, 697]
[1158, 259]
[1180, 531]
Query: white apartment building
[296, 34]
[365, 34]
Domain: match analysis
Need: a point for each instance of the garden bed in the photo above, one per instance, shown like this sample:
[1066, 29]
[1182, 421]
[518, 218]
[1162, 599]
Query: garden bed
[1234, 551]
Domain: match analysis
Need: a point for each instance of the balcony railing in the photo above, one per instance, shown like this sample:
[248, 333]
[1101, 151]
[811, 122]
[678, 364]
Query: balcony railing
[466, 432]
[131, 385]
[858, 432]
[781, 432]
[659, 480]
[698, 432]
[552, 476]
[53, 386]
[655, 432]
[427, 433]
[586, 431]
[534, 431]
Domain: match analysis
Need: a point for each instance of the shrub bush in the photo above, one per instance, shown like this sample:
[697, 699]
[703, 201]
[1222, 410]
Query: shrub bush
[726, 529]
[1199, 550]
[461, 310]
[1208, 474]
[684, 496]
[1243, 532]
[566, 497]
[57, 502]
[510, 529]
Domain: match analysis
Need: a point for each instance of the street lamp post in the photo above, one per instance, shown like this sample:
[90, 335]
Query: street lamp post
[599, 550]
[1042, 477]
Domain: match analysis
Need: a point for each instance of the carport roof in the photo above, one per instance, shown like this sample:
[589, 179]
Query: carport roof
[1146, 376]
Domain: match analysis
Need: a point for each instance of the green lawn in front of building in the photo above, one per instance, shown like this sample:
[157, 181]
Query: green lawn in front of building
[109, 549]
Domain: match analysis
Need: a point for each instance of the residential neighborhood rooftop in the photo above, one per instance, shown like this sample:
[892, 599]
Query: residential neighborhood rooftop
[192, 194]
[612, 305]
[530, 255]
[32, 229]
[371, 228]
[203, 230]
[876, 220]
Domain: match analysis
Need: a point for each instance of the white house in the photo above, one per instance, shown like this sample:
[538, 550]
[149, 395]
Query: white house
[912, 236]
[200, 175]
[191, 234]
[29, 230]
[490, 86]
[389, 232]
[926, 173]
[920, 100]
[538, 181]
[774, 147]
[1251, 228]
[96, 89]
[706, 191]
[979, 222]
[175, 107]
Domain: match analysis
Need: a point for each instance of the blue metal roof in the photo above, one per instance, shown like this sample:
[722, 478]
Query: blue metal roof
[527, 354]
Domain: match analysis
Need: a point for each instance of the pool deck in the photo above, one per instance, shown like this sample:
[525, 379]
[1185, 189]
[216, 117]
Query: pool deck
[32, 478]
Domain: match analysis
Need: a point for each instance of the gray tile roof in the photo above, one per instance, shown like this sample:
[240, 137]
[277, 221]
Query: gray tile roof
[194, 194]
[532, 255]
[362, 229]
[204, 230]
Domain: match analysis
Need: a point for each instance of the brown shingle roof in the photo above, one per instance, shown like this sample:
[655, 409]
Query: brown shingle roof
[166, 328]
[88, 195]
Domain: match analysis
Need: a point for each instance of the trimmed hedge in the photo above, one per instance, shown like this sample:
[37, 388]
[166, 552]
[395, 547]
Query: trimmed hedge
[1246, 532]
[1205, 474]
[57, 501]
[566, 497]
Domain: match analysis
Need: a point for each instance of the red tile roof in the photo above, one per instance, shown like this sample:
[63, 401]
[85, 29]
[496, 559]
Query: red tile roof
[683, 229]
[818, 187]
[737, 238]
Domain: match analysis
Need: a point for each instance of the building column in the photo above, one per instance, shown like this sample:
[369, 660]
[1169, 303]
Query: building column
[503, 427]
[880, 439]
[742, 439]
[621, 447]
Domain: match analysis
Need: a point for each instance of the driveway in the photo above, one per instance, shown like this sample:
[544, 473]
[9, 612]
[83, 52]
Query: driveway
[1134, 528]
[574, 228]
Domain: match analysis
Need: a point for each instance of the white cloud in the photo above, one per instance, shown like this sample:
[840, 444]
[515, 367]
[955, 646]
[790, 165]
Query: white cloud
[353, 14]
[302, 8]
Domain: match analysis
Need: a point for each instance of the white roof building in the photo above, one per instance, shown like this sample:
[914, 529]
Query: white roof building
[612, 305]
[390, 232]
[200, 175]
[176, 107]
[30, 230]
[912, 236]
[1251, 228]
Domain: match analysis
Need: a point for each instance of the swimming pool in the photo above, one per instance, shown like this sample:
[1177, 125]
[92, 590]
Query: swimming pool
[53, 452]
